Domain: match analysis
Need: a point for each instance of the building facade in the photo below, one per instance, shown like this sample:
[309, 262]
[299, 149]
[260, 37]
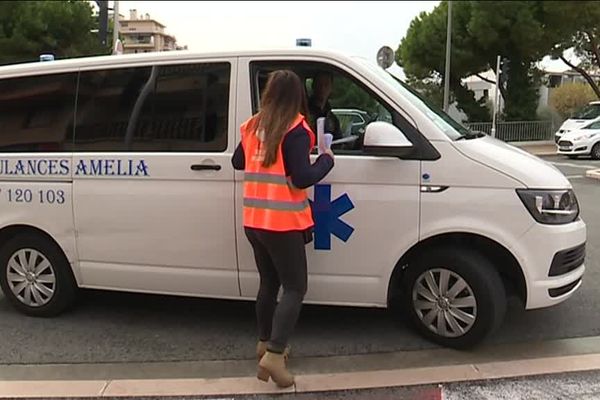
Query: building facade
[142, 34]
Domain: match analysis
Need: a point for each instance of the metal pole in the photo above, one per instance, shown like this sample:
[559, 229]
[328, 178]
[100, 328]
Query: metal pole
[447, 71]
[103, 21]
[496, 97]
[115, 23]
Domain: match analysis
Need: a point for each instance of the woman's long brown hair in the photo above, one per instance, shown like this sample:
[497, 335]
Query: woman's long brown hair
[283, 98]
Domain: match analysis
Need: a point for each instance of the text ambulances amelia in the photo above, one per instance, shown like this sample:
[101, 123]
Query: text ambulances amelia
[62, 167]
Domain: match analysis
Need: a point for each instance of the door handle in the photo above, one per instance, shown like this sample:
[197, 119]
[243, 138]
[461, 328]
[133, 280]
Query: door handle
[205, 167]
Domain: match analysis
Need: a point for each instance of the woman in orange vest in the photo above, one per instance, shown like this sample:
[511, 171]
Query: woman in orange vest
[275, 155]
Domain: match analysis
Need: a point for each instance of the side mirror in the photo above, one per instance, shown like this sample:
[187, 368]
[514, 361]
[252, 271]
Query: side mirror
[385, 140]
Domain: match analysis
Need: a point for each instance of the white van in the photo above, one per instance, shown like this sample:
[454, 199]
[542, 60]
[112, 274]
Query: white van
[115, 173]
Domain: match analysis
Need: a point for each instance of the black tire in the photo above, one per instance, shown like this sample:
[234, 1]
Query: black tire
[484, 281]
[65, 287]
[596, 151]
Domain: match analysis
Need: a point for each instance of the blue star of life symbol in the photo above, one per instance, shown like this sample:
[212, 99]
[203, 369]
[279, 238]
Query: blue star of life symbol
[326, 214]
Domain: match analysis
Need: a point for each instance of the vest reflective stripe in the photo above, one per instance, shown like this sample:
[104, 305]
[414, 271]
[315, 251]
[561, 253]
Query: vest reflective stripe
[277, 205]
[271, 201]
[276, 191]
[266, 178]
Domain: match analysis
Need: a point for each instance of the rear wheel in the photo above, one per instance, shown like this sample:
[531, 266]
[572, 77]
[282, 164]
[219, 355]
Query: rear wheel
[453, 297]
[36, 276]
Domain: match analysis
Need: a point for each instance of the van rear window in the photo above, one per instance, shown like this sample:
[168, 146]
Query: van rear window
[36, 113]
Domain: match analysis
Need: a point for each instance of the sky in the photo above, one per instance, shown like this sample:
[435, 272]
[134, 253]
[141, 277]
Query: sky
[357, 28]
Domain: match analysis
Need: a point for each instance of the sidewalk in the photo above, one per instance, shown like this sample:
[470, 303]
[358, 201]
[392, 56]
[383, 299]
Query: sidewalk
[414, 375]
[545, 148]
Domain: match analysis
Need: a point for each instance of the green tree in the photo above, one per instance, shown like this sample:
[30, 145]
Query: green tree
[575, 25]
[514, 30]
[422, 55]
[63, 28]
[570, 97]
[431, 90]
[482, 30]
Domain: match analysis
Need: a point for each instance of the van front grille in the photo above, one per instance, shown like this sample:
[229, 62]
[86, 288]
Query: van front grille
[567, 260]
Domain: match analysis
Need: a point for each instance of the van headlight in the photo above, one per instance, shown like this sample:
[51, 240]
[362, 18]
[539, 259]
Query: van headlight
[552, 207]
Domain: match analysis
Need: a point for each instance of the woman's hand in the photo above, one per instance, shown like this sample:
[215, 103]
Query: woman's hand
[329, 152]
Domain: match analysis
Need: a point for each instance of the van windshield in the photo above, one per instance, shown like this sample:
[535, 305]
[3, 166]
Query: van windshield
[451, 128]
[588, 112]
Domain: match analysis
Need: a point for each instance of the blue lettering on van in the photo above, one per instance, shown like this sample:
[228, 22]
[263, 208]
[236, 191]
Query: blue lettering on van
[326, 214]
[62, 167]
[95, 167]
[20, 168]
[34, 167]
[109, 167]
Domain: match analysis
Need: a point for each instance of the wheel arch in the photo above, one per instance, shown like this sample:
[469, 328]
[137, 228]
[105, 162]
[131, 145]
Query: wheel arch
[503, 260]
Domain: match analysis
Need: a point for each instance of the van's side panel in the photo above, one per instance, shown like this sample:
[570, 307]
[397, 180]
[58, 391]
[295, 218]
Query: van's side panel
[153, 220]
[478, 199]
[384, 216]
[36, 120]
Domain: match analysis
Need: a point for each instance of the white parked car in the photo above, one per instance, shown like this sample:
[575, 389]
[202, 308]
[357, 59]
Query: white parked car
[587, 114]
[584, 141]
[115, 174]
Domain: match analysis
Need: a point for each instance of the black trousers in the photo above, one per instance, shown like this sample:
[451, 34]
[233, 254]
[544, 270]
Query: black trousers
[281, 261]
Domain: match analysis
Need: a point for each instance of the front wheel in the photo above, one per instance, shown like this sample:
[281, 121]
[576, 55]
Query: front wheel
[596, 151]
[453, 297]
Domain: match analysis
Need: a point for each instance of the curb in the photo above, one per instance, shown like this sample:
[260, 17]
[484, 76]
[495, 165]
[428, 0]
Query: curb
[593, 173]
[305, 383]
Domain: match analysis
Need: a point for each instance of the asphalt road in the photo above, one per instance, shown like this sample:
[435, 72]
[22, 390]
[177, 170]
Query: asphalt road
[115, 327]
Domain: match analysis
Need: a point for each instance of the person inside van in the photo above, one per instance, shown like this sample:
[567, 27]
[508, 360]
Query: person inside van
[318, 104]
[275, 155]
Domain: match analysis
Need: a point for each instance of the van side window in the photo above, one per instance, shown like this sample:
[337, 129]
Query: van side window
[171, 108]
[36, 113]
[354, 108]
[348, 107]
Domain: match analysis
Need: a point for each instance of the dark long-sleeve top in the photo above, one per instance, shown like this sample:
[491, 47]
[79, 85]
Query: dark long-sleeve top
[296, 158]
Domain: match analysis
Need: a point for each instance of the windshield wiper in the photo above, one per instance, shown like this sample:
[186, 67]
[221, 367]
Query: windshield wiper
[471, 135]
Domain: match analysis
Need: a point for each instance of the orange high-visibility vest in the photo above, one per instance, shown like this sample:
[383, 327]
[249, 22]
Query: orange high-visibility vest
[271, 202]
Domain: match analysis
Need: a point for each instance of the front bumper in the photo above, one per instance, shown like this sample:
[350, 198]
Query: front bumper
[574, 148]
[537, 249]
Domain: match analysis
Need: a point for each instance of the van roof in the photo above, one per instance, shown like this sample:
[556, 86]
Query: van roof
[72, 64]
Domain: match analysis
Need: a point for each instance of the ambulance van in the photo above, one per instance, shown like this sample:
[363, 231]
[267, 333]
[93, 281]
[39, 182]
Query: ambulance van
[115, 174]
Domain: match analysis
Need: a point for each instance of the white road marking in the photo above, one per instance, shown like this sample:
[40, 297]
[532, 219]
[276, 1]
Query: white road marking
[575, 176]
[575, 165]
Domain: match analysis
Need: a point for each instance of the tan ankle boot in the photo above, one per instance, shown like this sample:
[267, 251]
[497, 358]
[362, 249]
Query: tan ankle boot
[261, 349]
[273, 365]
